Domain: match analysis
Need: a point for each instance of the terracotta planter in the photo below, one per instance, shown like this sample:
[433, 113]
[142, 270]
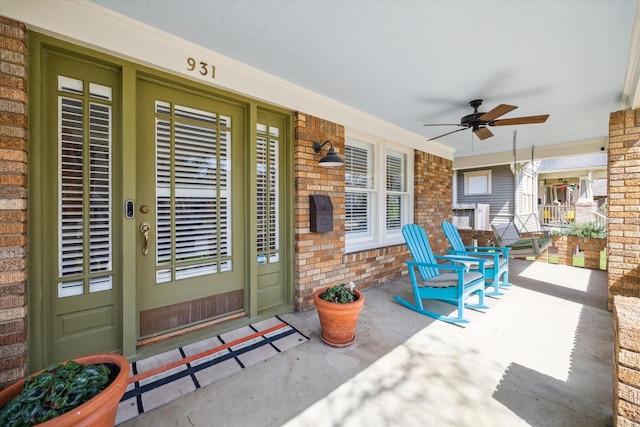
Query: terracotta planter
[338, 321]
[99, 411]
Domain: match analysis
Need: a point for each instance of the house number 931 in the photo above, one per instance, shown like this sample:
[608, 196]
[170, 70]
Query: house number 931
[201, 67]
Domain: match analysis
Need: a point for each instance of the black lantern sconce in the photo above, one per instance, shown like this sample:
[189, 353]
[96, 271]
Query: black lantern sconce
[331, 159]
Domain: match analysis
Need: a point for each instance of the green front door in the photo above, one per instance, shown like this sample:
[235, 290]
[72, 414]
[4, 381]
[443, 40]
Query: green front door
[79, 276]
[208, 176]
[190, 213]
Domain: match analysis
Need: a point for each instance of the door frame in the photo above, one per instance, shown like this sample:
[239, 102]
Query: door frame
[40, 45]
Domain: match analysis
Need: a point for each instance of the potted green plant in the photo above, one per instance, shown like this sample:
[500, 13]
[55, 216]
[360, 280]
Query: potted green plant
[338, 309]
[80, 392]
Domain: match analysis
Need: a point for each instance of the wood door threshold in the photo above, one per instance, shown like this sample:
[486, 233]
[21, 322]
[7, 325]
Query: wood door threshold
[184, 331]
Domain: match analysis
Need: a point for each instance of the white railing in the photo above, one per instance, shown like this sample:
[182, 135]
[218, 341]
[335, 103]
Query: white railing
[600, 219]
[557, 214]
[560, 217]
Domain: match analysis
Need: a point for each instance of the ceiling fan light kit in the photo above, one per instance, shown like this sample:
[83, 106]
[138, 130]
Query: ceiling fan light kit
[479, 121]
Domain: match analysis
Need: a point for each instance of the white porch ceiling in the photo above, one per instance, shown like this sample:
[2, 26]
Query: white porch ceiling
[416, 62]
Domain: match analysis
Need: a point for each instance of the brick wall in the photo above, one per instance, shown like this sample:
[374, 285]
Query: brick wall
[565, 244]
[626, 375]
[13, 201]
[482, 236]
[623, 228]
[433, 197]
[319, 257]
[623, 231]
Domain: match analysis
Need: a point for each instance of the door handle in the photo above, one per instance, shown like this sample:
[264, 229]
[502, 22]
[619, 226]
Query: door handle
[144, 230]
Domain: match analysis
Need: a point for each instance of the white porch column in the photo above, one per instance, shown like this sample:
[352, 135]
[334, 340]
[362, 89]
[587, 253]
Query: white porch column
[585, 204]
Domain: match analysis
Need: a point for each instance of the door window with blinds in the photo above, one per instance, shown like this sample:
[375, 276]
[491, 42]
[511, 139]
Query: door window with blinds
[84, 191]
[268, 204]
[378, 180]
[193, 161]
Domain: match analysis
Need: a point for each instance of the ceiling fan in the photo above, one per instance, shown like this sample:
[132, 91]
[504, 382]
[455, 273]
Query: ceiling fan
[479, 121]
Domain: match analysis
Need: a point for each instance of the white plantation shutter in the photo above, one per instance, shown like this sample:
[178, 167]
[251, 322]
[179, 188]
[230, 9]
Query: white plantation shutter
[84, 188]
[193, 153]
[268, 203]
[100, 188]
[397, 195]
[379, 186]
[72, 187]
[359, 189]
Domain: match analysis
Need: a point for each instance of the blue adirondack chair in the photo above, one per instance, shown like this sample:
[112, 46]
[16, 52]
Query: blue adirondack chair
[454, 286]
[498, 258]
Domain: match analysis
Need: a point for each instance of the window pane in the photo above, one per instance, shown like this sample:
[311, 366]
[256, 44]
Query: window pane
[67, 84]
[477, 184]
[267, 243]
[357, 167]
[394, 212]
[100, 188]
[84, 191]
[192, 190]
[71, 255]
[395, 171]
[357, 213]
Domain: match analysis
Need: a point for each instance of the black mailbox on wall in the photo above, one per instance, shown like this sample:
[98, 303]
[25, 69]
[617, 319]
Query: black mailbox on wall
[321, 213]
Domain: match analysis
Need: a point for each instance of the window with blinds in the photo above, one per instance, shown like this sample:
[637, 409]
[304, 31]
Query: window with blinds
[359, 189]
[267, 241]
[84, 187]
[193, 182]
[379, 186]
[396, 190]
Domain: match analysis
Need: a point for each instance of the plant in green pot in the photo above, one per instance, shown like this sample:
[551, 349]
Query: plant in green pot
[338, 309]
[80, 392]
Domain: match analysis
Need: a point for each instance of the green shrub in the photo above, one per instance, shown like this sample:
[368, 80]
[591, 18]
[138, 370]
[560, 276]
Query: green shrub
[589, 229]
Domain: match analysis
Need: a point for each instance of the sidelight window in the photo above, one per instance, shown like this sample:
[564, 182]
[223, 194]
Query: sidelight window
[84, 187]
[268, 244]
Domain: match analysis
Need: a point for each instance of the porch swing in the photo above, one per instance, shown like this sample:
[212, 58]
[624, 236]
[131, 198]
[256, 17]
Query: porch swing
[523, 234]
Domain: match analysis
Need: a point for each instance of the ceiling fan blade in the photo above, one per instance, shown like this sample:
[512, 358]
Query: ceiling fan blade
[497, 112]
[520, 120]
[446, 124]
[483, 133]
[448, 133]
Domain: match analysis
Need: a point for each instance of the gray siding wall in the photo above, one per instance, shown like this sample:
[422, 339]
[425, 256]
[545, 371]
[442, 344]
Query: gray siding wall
[500, 200]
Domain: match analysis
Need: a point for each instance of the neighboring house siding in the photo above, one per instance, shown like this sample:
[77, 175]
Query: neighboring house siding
[500, 200]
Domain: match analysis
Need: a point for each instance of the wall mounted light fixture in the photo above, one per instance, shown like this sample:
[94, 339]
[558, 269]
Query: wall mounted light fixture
[331, 159]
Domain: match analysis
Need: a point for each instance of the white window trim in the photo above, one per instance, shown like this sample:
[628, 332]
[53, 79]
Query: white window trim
[378, 237]
[468, 176]
[527, 191]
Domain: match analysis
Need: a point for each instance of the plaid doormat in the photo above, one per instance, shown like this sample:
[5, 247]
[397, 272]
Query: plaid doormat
[162, 378]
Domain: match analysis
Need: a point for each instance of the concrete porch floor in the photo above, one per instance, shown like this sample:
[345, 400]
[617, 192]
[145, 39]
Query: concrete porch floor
[540, 356]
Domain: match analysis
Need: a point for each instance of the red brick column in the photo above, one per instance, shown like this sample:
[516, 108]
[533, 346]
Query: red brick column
[13, 201]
